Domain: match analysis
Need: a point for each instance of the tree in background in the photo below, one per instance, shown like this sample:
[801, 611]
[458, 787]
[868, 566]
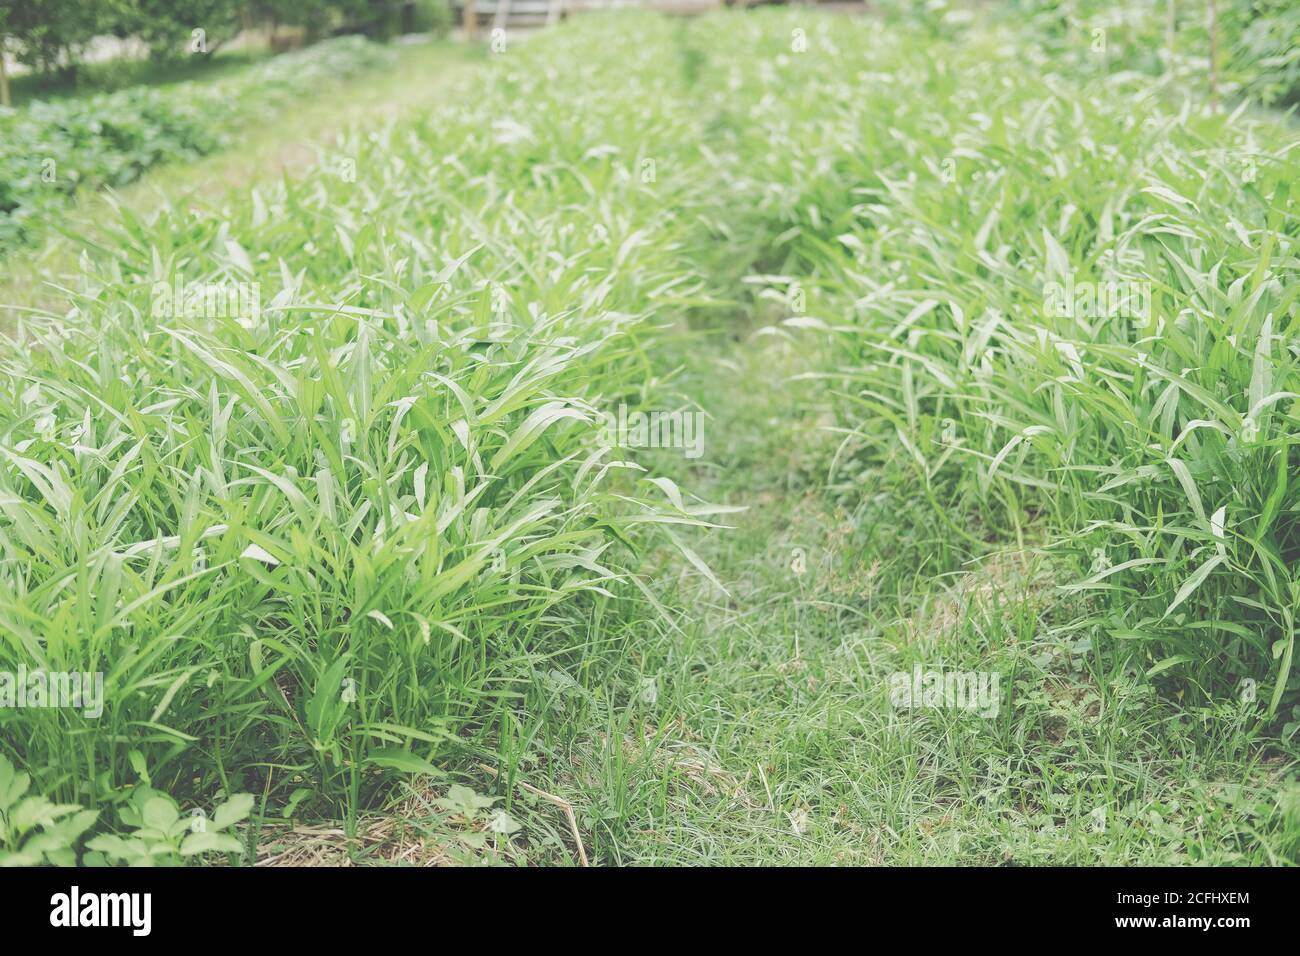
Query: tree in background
[1265, 55]
[316, 18]
[4, 63]
[48, 36]
[384, 19]
[169, 28]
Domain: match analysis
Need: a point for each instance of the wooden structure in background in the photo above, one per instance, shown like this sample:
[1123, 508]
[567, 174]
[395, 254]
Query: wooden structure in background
[511, 14]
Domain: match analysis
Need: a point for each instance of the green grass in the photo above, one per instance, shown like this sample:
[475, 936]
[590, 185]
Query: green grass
[344, 553]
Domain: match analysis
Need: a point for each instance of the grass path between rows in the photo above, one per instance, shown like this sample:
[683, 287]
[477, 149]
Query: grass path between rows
[772, 739]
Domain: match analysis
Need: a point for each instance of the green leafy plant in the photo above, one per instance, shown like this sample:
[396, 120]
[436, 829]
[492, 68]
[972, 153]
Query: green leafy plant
[34, 830]
[161, 836]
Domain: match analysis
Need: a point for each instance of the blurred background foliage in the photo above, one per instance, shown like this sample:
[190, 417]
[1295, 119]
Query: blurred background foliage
[1257, 41]
[52, 37]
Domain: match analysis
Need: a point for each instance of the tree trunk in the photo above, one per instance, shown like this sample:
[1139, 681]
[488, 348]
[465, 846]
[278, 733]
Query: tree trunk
[470, 20]
[1214, 54]
[1169, 30]
[4, 76]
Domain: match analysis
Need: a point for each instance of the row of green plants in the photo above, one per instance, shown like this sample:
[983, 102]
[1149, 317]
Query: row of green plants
[51, 150]
[1064, 300]
[322, 528]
